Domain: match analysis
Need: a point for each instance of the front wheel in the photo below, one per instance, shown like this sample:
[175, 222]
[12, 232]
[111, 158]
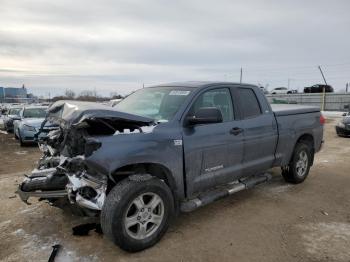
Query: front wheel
[21, 143]
[299, 167]
[137, 212]
[16, 136]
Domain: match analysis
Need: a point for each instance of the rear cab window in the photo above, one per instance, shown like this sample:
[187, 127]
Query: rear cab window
[249, 104]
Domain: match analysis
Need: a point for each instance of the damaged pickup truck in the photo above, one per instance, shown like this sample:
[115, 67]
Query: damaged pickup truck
[166, 149]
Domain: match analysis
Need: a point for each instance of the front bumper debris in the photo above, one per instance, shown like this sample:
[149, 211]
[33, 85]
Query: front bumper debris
[40, 194]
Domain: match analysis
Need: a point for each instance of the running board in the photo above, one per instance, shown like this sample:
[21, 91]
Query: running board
[229, 189]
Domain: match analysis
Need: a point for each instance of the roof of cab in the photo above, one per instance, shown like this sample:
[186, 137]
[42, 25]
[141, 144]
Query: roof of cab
[198, 84]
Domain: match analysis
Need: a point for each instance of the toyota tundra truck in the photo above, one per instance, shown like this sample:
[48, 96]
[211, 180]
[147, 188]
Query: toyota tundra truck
[168, 149]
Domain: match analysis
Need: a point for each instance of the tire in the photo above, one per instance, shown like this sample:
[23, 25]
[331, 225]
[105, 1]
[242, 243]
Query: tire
[21, 143]
[16, 137]
[299, 167]
[120, 206]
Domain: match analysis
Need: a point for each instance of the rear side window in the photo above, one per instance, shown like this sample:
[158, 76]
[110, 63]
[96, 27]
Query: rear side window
[249, 103]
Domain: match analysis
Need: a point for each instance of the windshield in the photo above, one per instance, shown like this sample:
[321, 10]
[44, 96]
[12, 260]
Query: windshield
[14, 111]
[34, 112]
[160, 103]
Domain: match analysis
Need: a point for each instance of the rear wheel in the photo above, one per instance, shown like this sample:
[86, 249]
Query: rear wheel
[137, 212]
[299, 167]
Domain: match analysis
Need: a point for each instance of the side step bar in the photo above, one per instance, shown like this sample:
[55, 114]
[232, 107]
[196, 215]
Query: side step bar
[211, 196]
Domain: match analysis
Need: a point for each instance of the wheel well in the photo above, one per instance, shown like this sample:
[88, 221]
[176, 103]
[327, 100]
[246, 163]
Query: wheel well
[153, 169]
[306, 138]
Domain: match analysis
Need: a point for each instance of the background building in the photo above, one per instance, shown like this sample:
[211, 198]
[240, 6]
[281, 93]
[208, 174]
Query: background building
[2, 93]
[13, 94]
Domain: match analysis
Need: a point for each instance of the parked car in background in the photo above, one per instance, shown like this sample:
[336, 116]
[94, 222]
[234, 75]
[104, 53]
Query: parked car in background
[10, 116]
[318, 89]
[343, 127]
[265, 91]
[282, 90]
[29, 123]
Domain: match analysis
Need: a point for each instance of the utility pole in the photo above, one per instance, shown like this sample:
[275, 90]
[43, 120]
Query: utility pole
[240, 79]
[324, 89]
[346, 87]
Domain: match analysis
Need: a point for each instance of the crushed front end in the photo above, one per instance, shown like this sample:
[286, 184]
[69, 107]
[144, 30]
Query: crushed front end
[62, 177]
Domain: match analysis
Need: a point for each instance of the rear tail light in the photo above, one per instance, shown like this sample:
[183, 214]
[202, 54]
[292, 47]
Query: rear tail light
[322, 120]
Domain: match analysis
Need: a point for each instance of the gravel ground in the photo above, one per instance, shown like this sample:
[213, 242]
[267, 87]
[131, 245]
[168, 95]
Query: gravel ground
[272, 222]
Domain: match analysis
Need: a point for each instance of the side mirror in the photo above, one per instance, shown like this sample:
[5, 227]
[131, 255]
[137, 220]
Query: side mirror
[206, 115]
[344, 114]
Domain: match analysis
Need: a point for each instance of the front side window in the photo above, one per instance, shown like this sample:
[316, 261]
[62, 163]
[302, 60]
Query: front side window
[159, 103]
[219, 98]
[34, 113]
[249, 103]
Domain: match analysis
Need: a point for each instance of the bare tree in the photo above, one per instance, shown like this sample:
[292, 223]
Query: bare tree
[115, 95]
[87, 95]
[69, 94]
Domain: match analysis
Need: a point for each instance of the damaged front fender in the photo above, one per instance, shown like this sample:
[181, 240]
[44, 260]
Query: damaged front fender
[67, 169]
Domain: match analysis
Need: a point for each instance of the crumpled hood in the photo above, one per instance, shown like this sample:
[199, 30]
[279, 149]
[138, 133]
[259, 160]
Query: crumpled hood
[34, 122]
[75, 112]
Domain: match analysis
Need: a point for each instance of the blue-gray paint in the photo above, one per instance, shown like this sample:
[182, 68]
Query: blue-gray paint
[209, 154]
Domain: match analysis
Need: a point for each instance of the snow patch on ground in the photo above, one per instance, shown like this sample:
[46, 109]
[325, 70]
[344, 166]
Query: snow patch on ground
[34, 243]
[5, 223]
[28, 210]
[327, 241]
[278, 189]
[332, 113]
[21, 152]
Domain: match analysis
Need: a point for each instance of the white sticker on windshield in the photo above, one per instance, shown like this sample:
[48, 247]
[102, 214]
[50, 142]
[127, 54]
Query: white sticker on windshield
[179, 93]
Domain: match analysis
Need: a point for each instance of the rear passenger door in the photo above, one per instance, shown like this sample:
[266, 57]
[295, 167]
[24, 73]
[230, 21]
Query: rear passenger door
[260, 132]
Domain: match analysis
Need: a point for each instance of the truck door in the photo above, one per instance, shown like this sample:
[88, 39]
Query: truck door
[260, 132]
[213, 153]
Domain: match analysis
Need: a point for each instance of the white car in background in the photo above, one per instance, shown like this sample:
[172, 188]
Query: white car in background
[28, 123]
[280, 90]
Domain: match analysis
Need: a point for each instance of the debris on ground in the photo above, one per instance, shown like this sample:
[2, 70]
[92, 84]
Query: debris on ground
[324, 212]
[84, 229]
[55, 249]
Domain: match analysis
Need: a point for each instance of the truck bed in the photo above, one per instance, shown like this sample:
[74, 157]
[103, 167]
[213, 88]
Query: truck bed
[287, 109]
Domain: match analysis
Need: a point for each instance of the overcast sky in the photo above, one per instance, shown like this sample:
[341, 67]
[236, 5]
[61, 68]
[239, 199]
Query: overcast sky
[116, 46]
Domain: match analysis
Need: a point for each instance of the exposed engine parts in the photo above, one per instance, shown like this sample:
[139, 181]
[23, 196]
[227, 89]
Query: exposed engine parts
[62, 176]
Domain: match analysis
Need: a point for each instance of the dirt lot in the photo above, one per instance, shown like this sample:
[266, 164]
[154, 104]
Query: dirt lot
[273, 222]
